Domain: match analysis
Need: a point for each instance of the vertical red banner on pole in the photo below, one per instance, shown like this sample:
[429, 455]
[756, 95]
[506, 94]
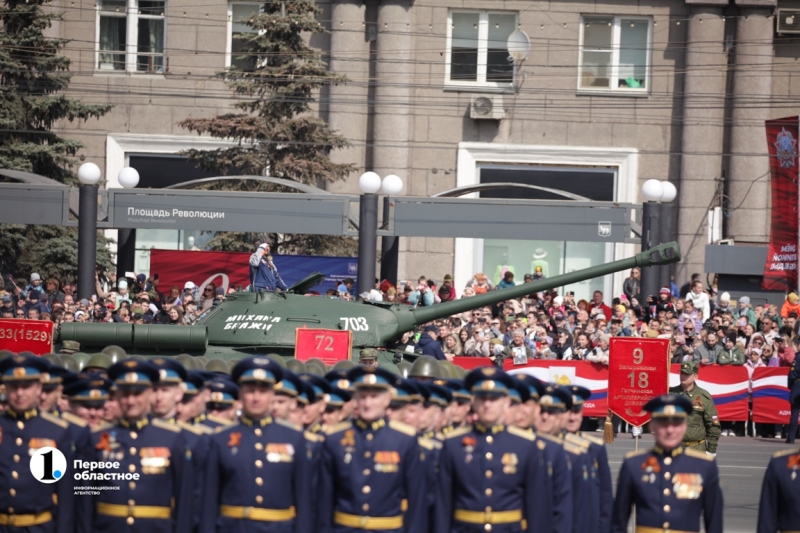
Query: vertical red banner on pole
[638, 370]
[780, 270]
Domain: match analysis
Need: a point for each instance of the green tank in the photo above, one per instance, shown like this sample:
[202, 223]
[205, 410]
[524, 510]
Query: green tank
[249, 323]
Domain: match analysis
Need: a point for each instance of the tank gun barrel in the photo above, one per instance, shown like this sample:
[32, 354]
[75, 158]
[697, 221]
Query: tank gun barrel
[662, 254]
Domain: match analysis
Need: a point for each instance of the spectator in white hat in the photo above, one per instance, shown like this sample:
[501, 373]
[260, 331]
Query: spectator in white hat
[34, 285]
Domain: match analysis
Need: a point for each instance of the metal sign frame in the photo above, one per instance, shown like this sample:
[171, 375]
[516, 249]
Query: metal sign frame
[325, 214]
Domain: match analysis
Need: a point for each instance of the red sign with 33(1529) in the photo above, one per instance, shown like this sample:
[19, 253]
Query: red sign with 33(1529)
[638, 370]
[34, 336]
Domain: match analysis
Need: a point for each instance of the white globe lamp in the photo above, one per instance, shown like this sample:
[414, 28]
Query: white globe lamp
[89, 174]
[669, 193]
[392, 185]
[369, 183]
[652, 190]
[128, 177]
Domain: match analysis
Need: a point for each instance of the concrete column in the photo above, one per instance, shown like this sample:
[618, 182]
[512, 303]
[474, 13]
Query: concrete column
[348, 101]
[752, 88]
[703, 113]
[392, 89]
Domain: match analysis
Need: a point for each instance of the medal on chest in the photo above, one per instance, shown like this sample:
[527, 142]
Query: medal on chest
[348, 443]
[469, 446]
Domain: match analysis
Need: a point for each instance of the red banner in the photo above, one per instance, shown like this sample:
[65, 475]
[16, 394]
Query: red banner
[771, 395]
[471, 363]
[728, 386]
[593, 376]
[638, 370]
[34, 336]
[176, 267]
[329, 345]
[780, 270]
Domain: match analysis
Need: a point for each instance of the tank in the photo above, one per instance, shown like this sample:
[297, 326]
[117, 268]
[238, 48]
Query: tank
[249, 323]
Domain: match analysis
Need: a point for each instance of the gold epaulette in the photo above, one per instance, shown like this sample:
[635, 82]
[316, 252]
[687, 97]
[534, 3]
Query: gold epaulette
[634, 453]
[425, 443]
[519, 432]
[190, 428]
[54, 419]
[220, 429]
[592, 438]
[458, 432]
[700, 455]
[574, 449]
[336, 428]
[313, 437]
[157, 422]
[403, 428]
[577, 440]
[551, 438]
[103, 427]
[287, 424]
[220, 420]
[790, 451]
[74, 419]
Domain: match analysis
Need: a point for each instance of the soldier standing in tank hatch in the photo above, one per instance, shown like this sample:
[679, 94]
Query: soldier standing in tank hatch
[670, 485]
[263, 273]
[702, 431]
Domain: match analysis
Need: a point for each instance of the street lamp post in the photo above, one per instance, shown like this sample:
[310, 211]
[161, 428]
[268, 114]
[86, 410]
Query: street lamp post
[126, 237]
[370, 184]
[656, 229]
[88, 175]
[390, 249]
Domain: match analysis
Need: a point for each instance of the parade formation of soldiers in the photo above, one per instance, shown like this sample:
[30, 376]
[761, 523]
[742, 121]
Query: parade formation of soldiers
[152, 447]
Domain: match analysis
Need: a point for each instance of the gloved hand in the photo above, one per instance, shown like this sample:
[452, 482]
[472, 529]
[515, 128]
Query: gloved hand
[636, 431]
[711, 454]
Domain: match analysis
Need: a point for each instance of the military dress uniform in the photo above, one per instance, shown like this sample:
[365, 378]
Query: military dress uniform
[559, 474]
[26, 504]
[258, 478]
[602, 492]
[703, 430]
[159, 501]
[779, 509]
[492, 479]
[670, 488]
[373, 473]
[579, 463]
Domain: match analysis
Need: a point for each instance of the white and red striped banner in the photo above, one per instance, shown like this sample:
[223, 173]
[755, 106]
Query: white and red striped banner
[771, 395]
[728, 385]
[593, 376]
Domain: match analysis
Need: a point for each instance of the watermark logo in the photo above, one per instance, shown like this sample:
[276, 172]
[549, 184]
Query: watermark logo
[48, 464]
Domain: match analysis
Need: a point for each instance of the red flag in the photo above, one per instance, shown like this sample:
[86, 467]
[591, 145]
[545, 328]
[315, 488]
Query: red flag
[780, 270]
[638, 370]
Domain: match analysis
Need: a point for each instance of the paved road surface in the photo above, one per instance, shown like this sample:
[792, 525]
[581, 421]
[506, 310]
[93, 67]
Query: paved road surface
[741, 460]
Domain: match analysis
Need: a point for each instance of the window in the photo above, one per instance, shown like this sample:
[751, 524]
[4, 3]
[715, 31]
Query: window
[615, 54]
[477, 49]
[131, 35]
[238, 15]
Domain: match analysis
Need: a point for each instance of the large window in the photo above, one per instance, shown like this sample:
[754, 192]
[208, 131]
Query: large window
[615, 54]
[477, 51]
[239, 14]
[131, 35]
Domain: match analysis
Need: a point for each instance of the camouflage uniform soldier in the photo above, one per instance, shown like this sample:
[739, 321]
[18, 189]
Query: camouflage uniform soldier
[703, 431]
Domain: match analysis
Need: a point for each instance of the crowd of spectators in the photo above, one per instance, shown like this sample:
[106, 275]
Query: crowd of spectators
[137, 300]
[547, 325]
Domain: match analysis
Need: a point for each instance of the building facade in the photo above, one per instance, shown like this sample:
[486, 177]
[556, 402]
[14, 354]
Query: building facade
[611, 94]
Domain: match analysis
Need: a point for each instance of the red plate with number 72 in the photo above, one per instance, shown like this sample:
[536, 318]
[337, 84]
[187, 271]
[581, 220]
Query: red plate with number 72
[26, 336]
[329, 345]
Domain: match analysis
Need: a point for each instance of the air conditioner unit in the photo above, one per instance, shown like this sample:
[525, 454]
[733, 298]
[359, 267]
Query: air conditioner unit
[788, 21]
[487, 108]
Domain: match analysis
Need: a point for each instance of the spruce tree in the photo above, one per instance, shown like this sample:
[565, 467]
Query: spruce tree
[276, 131]
[33, 77]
